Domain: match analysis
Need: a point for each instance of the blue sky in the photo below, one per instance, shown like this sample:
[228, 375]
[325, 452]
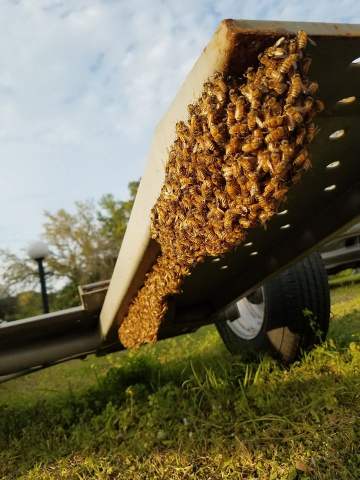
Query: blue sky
[83, 84]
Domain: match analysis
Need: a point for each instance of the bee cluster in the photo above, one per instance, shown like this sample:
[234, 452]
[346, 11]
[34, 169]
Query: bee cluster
[229, 169]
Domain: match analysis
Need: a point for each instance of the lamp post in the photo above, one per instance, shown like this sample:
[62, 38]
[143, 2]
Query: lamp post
[38, 251]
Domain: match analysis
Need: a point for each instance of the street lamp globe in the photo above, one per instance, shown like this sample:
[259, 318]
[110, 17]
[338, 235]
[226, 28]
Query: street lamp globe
[38, 250]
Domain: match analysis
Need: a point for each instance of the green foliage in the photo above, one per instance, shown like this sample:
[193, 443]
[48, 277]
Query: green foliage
[186, 409]
[84, 248]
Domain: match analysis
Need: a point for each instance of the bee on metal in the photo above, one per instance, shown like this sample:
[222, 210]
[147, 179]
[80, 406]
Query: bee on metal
[294, 90]
[289, 62]
[306, 64]
[300, 159]
[275, 135]
[310, 132]
[306, 165]
[312, 88]
[302, 39]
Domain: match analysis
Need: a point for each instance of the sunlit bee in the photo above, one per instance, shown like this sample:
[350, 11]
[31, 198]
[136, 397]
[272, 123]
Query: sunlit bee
[227, 172]
[301, 136]
[274, 74]
[302, 39]
[232, 188]
[233, 95]
[245, 223]
[208, 143]
[218, 133]
[286, 151]
[269, 189]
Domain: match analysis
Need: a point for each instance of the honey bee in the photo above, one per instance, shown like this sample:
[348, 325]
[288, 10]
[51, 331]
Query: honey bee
[306, 165]
[306, 64]
[240, 108]
[222, 198]
[312, 88]
[232, 188]
[319, 105]
[300, 137]
[206, 188]
[228, 219]
[245, 223]
[294, 117]
[292, 46]
[265, 60]
[310, 133]
[220, 82]
[233, 146]
[295, 88]
[274, 74]
[274, 122]
[280, 194]
[300, 159]
[218, 133]
[231, 115]
[279, 88]
[233, 96]
[251, 120]
[208, 143]
[286, 151]
[238, 129]
[289, 62]
[302, 39]
[275, 135]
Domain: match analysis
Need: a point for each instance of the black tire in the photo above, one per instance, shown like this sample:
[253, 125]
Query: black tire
[296, 313]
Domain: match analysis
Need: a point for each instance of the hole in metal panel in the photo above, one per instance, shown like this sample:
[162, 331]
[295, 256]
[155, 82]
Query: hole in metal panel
[356, 61]
[333, 164]
[254, 253]
[285, 226]
[224, 267]
[282, 213]
[216, 260]
[329, 188]
[248, 244]
[337, 134]
[347, 100]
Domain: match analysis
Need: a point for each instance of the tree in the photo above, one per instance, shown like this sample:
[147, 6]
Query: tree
[83, 247]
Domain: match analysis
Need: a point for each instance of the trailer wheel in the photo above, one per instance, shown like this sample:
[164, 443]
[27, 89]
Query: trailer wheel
[288, 315]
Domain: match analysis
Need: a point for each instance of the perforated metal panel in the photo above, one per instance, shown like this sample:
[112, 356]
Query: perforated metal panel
[313, 214]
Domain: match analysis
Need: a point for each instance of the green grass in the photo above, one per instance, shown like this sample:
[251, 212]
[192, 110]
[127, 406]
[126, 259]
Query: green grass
[186, 409]
[353, 278]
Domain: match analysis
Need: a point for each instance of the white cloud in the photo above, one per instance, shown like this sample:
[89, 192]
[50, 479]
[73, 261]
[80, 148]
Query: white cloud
[84, 83]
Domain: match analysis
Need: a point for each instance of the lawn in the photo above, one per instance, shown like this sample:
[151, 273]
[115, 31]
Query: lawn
[186, 409]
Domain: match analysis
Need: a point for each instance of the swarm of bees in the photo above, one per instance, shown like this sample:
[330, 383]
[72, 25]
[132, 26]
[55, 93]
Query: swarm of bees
[229, 169]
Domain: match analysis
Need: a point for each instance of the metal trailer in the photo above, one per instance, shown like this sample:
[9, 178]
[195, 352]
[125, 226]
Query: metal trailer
[324, 203]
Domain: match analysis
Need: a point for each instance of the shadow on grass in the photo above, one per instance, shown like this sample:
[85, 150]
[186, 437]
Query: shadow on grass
[205, 409]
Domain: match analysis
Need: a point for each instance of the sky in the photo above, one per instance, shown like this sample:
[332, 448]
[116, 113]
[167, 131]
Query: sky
[83, 84]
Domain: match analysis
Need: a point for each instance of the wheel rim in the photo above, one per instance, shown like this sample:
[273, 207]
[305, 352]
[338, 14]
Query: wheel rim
[251, 316]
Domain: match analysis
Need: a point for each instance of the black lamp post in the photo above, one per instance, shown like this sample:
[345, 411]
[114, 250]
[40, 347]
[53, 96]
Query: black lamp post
[38, 251]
